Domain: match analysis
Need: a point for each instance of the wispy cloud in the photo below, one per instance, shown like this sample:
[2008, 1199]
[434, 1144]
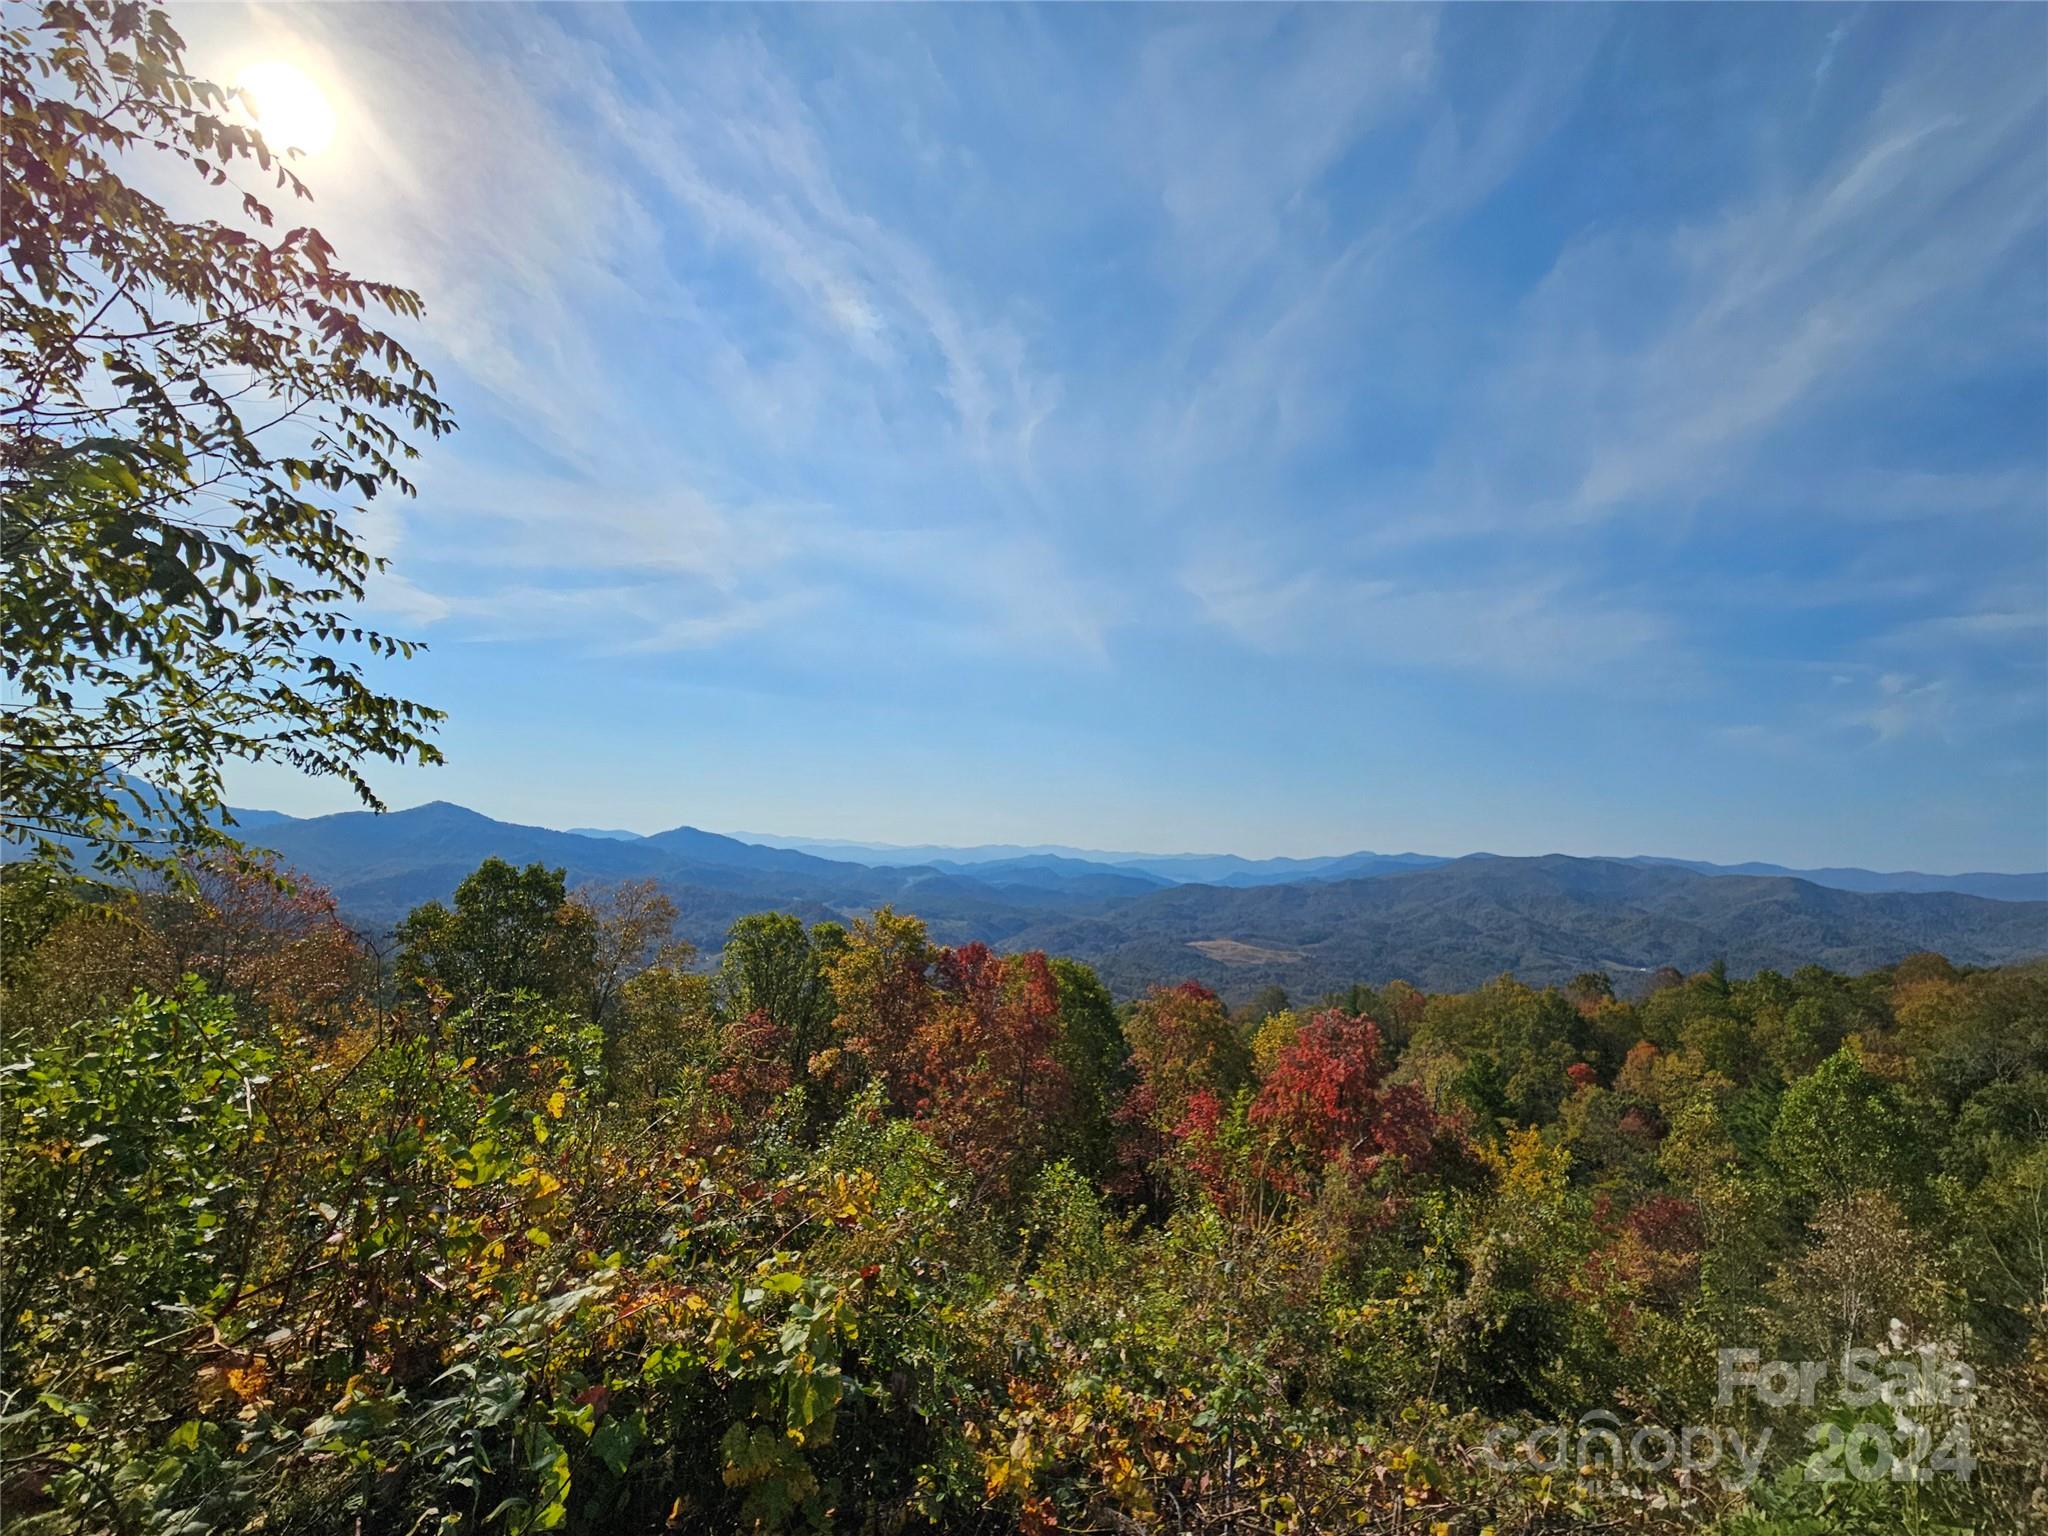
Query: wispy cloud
[1562, 354]
[1905, 705]
[1532, 628]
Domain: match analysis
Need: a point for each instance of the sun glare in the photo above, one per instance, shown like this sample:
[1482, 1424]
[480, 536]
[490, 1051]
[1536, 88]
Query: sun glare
[288, 106]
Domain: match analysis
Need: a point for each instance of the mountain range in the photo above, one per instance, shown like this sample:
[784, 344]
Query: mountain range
[1309, 925]
[1231, 870]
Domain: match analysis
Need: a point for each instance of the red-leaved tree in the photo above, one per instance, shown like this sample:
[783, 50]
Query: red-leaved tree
[988, 1084]
[753, 1070]
[1323, 1107]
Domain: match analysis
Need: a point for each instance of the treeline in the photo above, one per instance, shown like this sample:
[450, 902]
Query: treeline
[533, 1223]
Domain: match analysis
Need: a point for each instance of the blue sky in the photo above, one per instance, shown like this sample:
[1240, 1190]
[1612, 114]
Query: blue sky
[1277, 431]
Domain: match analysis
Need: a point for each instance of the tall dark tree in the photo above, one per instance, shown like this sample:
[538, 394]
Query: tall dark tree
[1097, 1059]
[509, 930]
[189, 412]
[773, 968]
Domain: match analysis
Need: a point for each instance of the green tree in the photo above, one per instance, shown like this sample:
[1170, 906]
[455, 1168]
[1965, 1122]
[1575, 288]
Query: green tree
[510, 930]
[34, 899]
[664, 1025]
[1261, 1006]
[1097, 1058]
[192, 407]
[1841, 1128]
[771, 965]
[1588, 989]
[1511, 1047]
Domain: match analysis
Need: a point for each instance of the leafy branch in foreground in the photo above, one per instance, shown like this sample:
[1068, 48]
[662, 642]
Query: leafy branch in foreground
[190, 408]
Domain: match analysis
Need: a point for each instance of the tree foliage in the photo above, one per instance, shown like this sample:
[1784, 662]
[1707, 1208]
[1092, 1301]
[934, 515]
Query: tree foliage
[1183, 1042]
[467, 1256]
[192, 408]
[990, 1086]
[509, 930]
[1324, 1107]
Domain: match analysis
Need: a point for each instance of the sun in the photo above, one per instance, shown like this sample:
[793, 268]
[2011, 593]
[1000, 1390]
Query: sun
[288, 105]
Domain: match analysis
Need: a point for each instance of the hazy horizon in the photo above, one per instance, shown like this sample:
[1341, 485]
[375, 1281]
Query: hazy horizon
[1045, 845]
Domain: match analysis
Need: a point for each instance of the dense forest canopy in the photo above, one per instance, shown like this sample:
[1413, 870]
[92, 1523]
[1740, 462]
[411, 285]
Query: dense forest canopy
[535, 1223]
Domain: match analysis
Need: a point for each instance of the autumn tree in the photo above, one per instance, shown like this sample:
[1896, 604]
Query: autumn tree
[632, 923]
[264, 937]
[1182, 1041]
[260, 933]
[753, 1057]
[1323, 1107]
[1396, 1007]
[990, 1086]
[1865, 1266]
[1588, 990]
[1005, 1061]
[63, 955]
[1988, 1028]
[882, 991]
[1274, 1034]
[192, 409]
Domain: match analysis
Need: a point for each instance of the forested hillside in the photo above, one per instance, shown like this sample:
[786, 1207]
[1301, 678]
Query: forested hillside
[530, 1223]
[1446, 924]
[1545, 919]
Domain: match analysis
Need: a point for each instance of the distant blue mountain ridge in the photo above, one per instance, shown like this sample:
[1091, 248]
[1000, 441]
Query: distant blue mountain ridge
[1229, 869]
[1053, 866]
[1310, 925]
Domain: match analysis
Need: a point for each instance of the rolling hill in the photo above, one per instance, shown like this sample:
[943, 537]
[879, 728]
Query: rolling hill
[1975, 883]
[1443, 924]
[381, 866]
[1454, 925]
[1229, 869]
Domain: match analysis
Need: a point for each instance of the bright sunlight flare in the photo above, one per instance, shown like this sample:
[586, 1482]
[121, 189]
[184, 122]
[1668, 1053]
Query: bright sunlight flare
[289, 106]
